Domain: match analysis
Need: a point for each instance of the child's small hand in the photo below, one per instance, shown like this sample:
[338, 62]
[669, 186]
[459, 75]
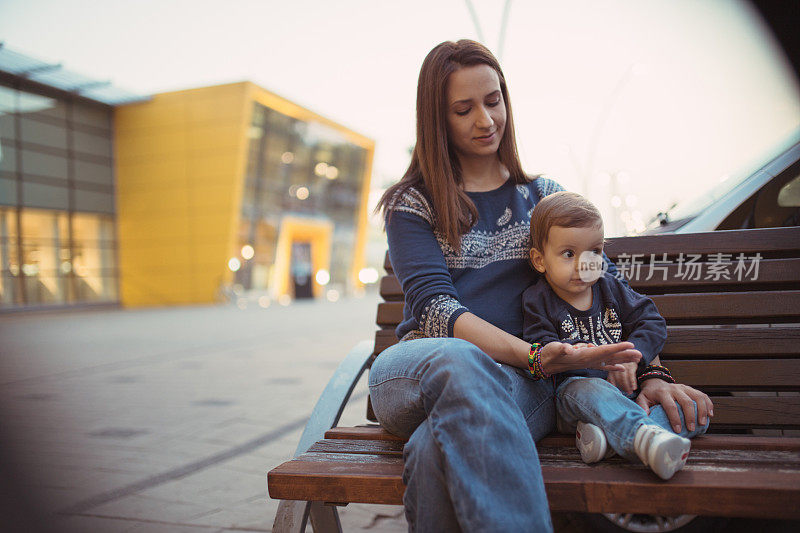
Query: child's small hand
[625, 380]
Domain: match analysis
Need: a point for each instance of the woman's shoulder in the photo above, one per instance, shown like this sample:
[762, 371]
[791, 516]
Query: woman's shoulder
[544, 185]
[411, 200]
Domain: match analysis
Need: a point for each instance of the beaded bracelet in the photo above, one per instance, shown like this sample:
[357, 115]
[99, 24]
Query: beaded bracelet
[654, 371]
[535, 362]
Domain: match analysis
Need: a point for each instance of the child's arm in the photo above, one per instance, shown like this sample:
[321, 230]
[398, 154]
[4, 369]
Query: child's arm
[641, 322]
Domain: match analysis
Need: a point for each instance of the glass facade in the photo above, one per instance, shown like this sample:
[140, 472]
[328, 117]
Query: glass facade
[57, 238]
[298, 168]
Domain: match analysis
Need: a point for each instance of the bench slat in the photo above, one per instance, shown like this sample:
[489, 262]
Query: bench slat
[745, 306]
[706, 442]
[785, 241]
[701, 341]
[744, 484]
[760, 306]
[742, 374]
[750, 341]
[757, 412]
[371, 432]
[772, 273]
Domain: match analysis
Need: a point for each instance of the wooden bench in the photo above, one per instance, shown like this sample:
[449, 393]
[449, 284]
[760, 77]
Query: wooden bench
[737, 339]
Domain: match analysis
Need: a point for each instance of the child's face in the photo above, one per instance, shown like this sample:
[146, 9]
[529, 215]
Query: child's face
[559, 261]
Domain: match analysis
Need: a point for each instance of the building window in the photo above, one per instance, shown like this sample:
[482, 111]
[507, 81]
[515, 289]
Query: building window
[57, 243]
[297, 167]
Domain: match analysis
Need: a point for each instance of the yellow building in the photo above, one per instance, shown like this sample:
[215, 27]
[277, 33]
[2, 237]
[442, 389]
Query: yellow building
[108, 197]
[234, 186]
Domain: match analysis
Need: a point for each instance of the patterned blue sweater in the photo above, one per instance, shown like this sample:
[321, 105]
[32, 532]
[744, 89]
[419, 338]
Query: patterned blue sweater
[618, 313]
[487, 278]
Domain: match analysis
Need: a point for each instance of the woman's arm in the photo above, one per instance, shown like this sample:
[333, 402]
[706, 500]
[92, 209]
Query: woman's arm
[556, 356]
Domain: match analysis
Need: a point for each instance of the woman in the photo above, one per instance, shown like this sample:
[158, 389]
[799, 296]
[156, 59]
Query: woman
[457, 384]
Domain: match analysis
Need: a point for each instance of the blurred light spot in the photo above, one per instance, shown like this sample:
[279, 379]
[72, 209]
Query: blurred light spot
[241, 303]
[255, 132]
[30, 270]
[264, 302]
[724, 177]
[293, 190]
[284, 299]
[368, 275]
[332, 295]
[320, 169]
[66, 267]
[616, 201]
[302, 193]
[332, 173]
[234, 264]
[322, 277]
[287, 157]
[14, 269]
[248, 252]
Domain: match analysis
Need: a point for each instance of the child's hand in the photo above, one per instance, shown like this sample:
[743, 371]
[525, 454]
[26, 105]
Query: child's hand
[625, 380]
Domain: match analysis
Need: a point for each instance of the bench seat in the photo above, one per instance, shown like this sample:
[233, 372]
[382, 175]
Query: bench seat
[726, 475]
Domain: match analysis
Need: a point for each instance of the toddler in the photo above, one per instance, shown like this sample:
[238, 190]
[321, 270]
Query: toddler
[574, 302]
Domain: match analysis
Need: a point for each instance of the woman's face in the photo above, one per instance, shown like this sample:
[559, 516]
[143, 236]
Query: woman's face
[476, 112]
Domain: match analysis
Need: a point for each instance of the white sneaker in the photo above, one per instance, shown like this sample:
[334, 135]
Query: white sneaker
[592, 443]
[660, 449]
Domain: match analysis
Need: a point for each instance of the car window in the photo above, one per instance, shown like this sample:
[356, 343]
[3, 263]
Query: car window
[773, 205]
[790, 194]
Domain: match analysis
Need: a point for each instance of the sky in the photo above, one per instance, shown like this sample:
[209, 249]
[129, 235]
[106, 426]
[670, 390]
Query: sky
[651, 101]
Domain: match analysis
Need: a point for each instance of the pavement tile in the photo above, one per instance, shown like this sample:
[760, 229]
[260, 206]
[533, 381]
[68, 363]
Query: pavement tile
[145, 508]
[93, 524]
[252, 515]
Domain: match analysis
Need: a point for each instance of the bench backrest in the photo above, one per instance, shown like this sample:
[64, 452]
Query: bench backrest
[731, 300]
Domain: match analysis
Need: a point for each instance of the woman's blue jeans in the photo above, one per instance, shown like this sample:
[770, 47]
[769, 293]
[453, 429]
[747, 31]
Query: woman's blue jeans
[470, 461]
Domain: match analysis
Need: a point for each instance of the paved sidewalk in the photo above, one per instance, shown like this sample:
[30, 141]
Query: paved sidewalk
[167, 420]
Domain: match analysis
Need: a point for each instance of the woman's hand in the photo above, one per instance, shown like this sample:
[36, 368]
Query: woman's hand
[559, 357]
[658, 391]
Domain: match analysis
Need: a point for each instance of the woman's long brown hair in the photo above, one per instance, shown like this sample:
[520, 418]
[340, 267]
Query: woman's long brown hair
[434, 169]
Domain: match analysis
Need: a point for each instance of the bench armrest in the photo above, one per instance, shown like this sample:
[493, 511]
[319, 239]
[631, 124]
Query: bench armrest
[333, 399]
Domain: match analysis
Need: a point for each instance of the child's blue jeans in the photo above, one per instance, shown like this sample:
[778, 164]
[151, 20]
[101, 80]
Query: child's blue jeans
[595, 400]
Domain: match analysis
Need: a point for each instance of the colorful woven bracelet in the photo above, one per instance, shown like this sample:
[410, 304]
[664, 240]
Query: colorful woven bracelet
[655, 372]
[535, 362]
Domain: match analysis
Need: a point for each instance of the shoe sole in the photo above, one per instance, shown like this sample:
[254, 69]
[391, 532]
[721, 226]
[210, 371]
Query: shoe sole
[589, 454]
[675, 452]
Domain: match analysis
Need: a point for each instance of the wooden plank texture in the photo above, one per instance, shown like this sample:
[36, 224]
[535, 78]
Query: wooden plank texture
[772, 274]
[742, 374]
[743, 483]
[745, 306]
[757, 412]
[705, 442]
[784, 241]
[749, 341]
